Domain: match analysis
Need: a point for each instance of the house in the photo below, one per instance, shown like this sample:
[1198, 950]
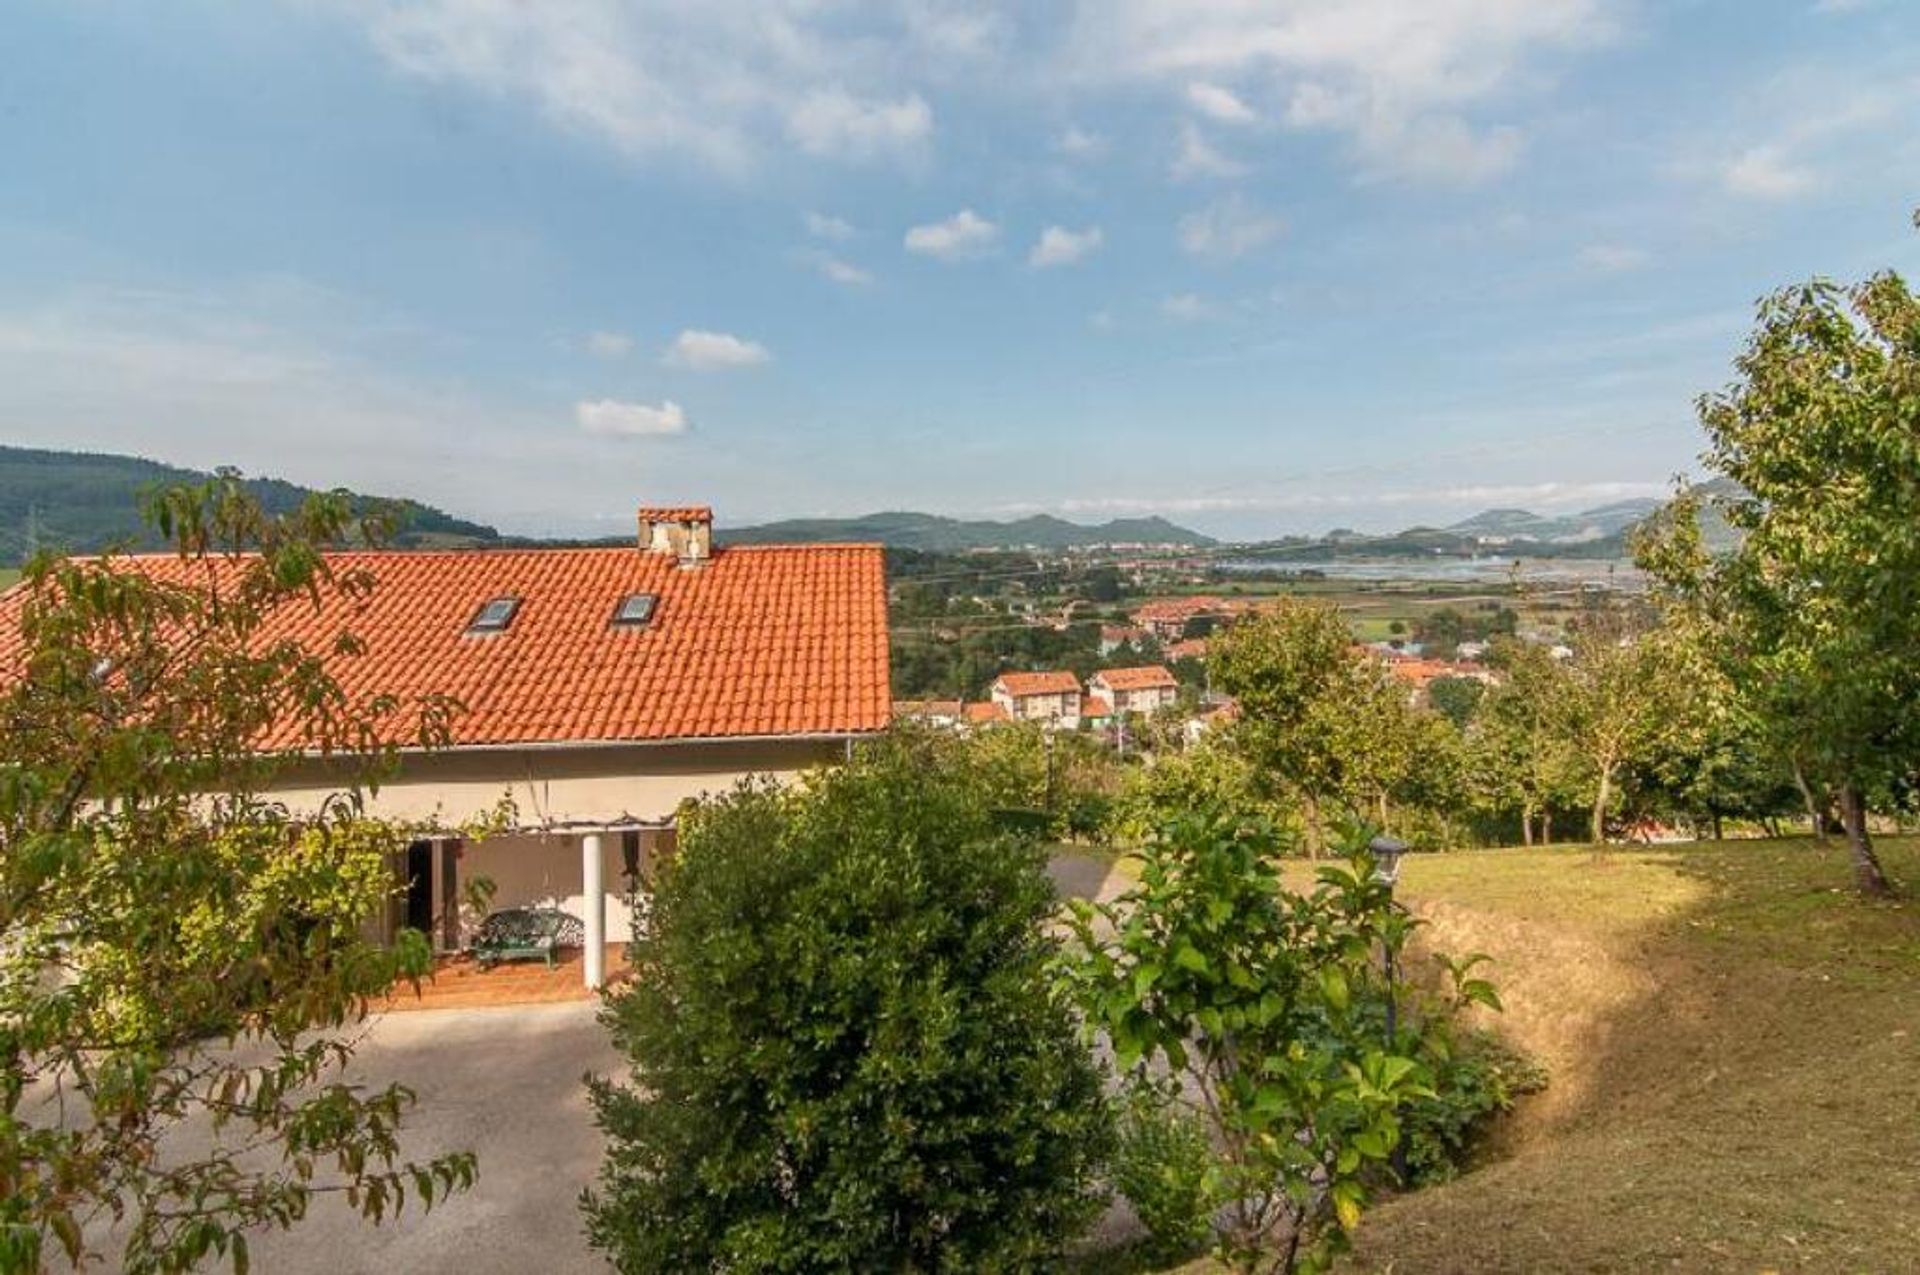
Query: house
[1134, 690]
[1039, 697]
[1190, 649]
[1167, 618]
[600, 689]
[943, 713]
[985, 713]
[1115, 636]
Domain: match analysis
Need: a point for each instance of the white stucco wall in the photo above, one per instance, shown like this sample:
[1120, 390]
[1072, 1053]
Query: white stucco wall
[555, 786]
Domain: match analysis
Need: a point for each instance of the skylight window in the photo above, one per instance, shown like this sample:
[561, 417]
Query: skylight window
[495, 616]
[634, 610]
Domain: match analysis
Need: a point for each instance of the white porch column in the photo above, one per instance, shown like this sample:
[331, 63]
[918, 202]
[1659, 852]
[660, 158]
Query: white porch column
[595, 906]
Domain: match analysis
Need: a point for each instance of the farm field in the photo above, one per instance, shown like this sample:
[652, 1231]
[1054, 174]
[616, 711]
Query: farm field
[1734, 1042]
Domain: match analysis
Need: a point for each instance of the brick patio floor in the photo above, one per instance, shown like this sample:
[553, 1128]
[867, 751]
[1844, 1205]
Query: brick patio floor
[458, 983]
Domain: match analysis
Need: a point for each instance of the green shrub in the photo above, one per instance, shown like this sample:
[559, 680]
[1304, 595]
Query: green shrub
[1256, 997]
[1478, 1079]
[1163, 1164]
[846, 1052]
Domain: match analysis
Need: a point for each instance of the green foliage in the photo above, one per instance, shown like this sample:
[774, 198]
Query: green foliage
[175, 949]
[1456, 698]
[1811, 615]
[1212, 775]
[1317, 719]
[1479, 1077]
[1213, 980]
[847, 1053]
[1163, 1165]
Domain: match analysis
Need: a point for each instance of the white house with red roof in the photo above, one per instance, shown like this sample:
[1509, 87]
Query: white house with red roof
[1146, 689]
[599, 690]
[1051, 697]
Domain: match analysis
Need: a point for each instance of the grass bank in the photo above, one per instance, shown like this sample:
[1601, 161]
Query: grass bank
[1735, 1047]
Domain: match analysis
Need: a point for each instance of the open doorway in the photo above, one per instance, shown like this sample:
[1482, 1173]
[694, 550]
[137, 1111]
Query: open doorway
[420, 887]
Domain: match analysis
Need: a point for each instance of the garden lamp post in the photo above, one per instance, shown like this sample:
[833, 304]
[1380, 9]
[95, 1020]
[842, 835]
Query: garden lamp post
[1387, 853]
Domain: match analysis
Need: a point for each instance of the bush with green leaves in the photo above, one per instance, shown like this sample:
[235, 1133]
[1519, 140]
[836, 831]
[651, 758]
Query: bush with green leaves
[1163, 1166]
[1258, 1006]
[1476, 1078]
[847, 1053]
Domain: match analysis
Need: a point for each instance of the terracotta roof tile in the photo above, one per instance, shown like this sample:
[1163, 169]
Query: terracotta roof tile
[676, 513]
[761, 640]
[1054, 683]
[1135, 679]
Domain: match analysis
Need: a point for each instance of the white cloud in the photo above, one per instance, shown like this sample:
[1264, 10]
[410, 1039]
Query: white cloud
[724, 83]
[835, 123]
[1197, 157]
[609, 345]
[631, 420]
[965, 234]
[823, 226]
[1187, 307]
[699, 351]
[1228, 229]
[1058, 246]
[1765, 172]
[1393, 77]
[1613, 258]
[838, 269]
[1220, 104]
[1077, 143]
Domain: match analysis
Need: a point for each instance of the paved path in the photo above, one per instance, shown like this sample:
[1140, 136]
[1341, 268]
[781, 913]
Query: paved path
[1079, 875]
[505, 1083]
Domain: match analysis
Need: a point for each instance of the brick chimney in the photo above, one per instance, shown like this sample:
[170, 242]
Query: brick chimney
[684, 532]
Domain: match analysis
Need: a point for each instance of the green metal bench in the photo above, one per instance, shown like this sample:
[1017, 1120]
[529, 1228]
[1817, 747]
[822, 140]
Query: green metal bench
[526, 934]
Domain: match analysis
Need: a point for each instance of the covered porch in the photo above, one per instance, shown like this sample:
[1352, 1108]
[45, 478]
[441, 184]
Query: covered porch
[595, 873]
[457, 982]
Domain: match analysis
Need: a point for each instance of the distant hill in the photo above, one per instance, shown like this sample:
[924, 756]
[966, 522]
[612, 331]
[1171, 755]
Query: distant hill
[934, 533]
[1494, 526]
[82, 502]
[1599, 533]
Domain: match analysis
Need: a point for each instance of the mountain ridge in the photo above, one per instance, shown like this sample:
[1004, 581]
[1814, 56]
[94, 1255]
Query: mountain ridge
[905, 529]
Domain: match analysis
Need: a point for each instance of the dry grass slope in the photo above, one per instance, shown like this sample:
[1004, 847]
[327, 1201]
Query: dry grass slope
[1735, 1042]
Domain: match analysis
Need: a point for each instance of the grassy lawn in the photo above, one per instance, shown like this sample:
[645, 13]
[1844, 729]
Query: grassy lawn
[1735, 1048]
[9, 576]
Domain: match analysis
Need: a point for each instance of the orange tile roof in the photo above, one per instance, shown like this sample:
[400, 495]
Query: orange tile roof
[1418, 672]
[1054, 683]
[1135, 679]
[987, 711]
[1190, 649]
[762, 640]
[676, 513]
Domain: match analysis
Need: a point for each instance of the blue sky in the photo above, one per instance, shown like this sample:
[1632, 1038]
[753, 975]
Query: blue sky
[1258, 266]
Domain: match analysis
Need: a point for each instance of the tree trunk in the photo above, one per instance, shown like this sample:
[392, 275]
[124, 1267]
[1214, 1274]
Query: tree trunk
[1313, 826]
[1816, 817]
[1600, 806]
[1526, 825]
[1386, 827]
[1546, 826]
[1717, 834]
[1867, 876]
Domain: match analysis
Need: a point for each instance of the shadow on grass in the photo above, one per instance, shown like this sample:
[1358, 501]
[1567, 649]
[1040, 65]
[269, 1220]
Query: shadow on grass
[1733, 1035]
